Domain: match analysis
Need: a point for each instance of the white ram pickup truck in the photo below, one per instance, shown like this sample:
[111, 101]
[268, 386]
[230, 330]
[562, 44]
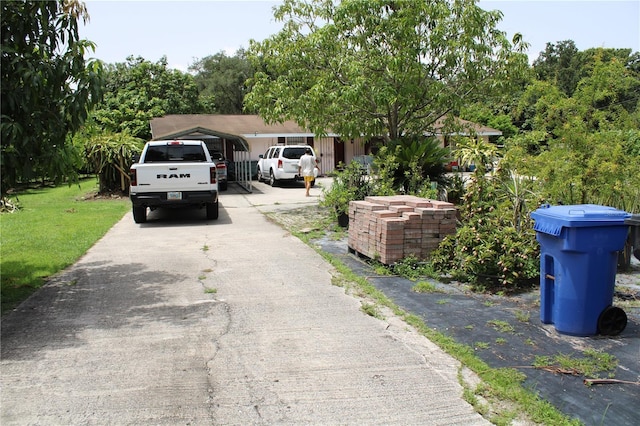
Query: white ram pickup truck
[176, 173]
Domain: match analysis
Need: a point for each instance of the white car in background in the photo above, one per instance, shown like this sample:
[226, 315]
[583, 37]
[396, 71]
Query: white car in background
[280, 163]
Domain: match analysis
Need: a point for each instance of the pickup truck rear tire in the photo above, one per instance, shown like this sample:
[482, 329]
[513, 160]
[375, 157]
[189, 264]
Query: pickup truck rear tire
[139, 214]
[212, 211]
[222, 186]
[272, 179]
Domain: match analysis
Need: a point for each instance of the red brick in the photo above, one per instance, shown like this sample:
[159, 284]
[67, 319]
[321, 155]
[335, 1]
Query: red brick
[392, 223]
[385, 213]
[425, 212]
[442, 205]
[401, 209]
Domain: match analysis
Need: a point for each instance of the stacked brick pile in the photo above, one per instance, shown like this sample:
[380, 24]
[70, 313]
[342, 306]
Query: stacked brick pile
[391, 228]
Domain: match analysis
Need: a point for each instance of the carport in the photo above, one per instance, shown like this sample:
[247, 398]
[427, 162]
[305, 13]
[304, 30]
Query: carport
[234, 147]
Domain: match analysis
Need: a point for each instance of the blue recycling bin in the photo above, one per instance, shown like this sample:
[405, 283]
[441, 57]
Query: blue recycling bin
[578, 260]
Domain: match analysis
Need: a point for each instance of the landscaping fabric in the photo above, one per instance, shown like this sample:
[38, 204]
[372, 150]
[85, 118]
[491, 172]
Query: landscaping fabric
[507, 332]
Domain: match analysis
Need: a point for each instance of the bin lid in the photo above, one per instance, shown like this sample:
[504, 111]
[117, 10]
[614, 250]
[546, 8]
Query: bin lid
[551, 219]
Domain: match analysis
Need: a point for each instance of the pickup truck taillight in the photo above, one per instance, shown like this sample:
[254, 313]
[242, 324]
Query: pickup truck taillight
[134, 177]
[213, 174]
[222, 169]
[279, 163]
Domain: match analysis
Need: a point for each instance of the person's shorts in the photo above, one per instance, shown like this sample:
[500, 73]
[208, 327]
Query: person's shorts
[308, 178]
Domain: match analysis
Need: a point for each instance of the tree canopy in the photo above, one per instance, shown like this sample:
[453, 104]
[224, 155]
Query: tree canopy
[139, 90]
[584, 148]
[563, 65]
[221, 81]
[379, 67]
[560, 64]
[47, 88]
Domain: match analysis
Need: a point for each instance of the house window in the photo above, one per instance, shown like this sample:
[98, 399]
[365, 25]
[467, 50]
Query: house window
[295, 140]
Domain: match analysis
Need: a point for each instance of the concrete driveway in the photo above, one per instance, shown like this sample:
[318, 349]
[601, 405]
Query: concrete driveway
[227, 322]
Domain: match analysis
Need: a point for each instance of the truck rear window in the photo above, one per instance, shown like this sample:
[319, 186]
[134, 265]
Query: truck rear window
[170, 153]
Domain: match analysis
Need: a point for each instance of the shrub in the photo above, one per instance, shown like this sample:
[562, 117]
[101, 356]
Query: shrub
[454, 189]
[494, 249]
[410, 165]
[109, 156]
[350, 184]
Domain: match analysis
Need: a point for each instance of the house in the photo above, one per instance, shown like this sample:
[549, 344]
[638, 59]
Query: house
[242, 138]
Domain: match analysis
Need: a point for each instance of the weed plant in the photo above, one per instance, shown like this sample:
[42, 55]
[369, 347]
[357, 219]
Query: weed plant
[413, 269]
[425, 287]
[591, 365]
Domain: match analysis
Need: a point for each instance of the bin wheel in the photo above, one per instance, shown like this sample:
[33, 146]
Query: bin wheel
[612, 321]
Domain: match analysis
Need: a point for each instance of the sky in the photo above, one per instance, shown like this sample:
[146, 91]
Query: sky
[186, 31]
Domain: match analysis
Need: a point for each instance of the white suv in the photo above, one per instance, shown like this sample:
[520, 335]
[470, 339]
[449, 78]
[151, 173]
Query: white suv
[280, 163]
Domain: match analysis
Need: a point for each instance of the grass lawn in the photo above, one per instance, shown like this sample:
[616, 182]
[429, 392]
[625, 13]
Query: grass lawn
[53, 228]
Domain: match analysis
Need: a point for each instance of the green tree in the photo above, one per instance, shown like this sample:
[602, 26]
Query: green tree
[221, 81]
[611, 95]
[589, 151]
[594, 55]
[561, 65]
[607, 99]
[564, 66]
[379, 67]
[47, 89]
[537, 98]
[633, 62]
[139, 90]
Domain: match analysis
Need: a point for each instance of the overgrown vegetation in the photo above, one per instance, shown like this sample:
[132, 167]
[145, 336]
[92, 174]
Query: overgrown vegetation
[565, 143]
[349, 184]
[425, 287]
[109, 156]
[591, 365]
[413, 269]
[409, 166]
[494, 248]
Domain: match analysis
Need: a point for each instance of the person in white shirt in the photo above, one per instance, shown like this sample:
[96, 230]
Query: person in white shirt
[305, 169]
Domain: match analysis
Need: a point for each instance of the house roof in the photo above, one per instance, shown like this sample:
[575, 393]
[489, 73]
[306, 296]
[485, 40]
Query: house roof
[226, 126]
[243, 127]
[467, 127]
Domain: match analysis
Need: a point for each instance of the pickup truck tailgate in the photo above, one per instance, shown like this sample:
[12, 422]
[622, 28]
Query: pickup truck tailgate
[177, 176]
